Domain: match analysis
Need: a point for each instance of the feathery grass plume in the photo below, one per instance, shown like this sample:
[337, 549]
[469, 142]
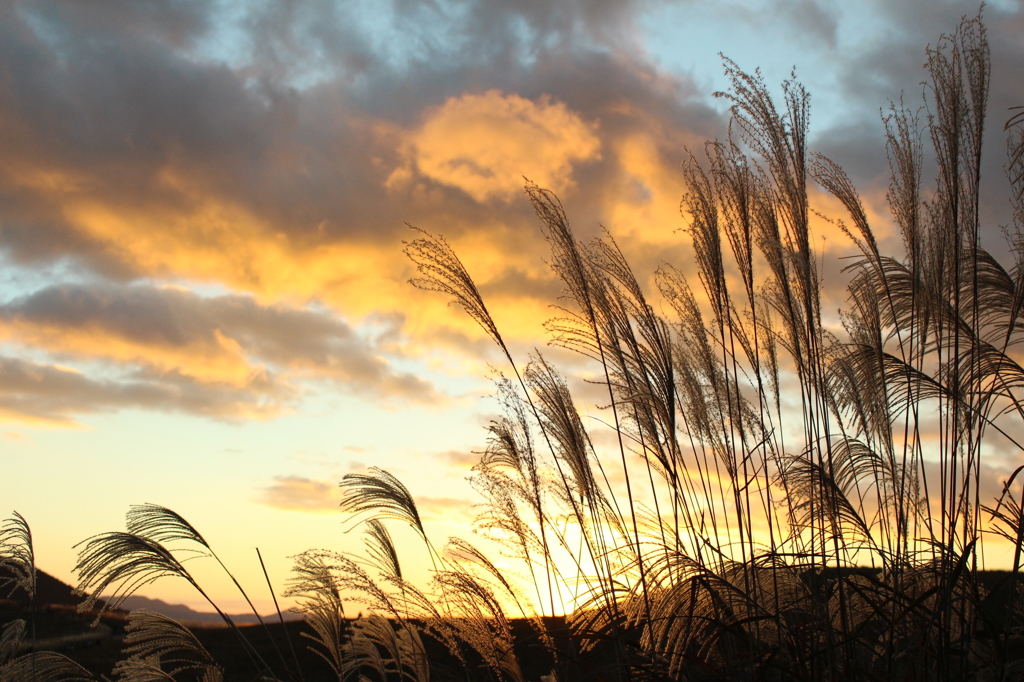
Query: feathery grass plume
[502, 521]
[380, 549]
[563, 424]
[904, 148]
[462, 553]
[149, 671]
[479, 621]
[501, 513]
[162, 525]
[591, 511]
[380, 494]
[158, 644]
[510, 445]
[386, 649]
[569, 257]
[442, 271]
[825, 492]
[315, 585]
[362, 651]
[11, 638]
[510, 442]
[1015, 160]
[321, 577]
[834, 180]
[17, 557]
[117, 564]
[44, 666]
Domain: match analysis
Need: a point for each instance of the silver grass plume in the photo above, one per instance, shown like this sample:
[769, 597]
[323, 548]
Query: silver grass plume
[1015, 160]
[318, 589]
[480, 622]
[562, 423]
[17, 557]
[381, 495]
[381, 549]
[44, 666]
[386, 648]
[463, 553]
[442, 271]
[120, 563]
[156, 644]
[161, 524]
[10, 639]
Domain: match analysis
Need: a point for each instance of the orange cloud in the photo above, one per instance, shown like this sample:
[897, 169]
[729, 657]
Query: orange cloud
[297, 493]
[485, 145]
[168, 341]
[38, 394]
[445, 508]
[216, 360]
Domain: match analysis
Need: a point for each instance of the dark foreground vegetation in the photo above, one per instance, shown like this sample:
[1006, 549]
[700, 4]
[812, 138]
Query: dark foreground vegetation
[762, 498]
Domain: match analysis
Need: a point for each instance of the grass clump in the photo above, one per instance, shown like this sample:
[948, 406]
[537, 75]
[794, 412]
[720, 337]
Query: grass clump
[783, 501]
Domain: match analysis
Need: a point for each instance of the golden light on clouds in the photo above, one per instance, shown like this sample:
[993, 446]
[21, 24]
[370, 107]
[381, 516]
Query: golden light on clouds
[485, 144]
[301, 494]
[647, 205]
[216, 358]
[222, 243]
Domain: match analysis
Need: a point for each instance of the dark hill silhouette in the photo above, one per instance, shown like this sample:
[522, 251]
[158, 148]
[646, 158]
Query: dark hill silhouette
[49, 591]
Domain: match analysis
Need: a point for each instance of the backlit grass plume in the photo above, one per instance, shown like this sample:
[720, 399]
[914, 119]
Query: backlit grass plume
[441, 270]
[117, 564]
[380, 495]
[158, 647]
[44, 666]
[17, 557]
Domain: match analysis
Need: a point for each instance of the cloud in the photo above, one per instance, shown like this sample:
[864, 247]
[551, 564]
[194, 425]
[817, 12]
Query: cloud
[297, 493]
[183, 344]
[316, 496]
[444, 508]
[135, 151]
[808, 17]
[46, 394]
[485, 144]
[151, 160]
[460, 459]
[276, 151]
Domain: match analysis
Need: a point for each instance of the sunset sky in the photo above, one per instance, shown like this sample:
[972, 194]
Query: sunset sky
[203, 298]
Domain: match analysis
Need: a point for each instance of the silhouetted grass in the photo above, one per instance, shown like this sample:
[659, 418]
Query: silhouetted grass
[791, 502]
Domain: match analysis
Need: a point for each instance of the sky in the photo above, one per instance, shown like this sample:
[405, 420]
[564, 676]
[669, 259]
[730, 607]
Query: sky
[203, 297]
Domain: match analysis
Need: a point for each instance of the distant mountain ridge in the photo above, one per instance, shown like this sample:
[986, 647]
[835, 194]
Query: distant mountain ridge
[186, 614]
[52, 591]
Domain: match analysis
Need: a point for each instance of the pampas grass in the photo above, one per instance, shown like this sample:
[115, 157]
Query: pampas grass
[780, 500]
